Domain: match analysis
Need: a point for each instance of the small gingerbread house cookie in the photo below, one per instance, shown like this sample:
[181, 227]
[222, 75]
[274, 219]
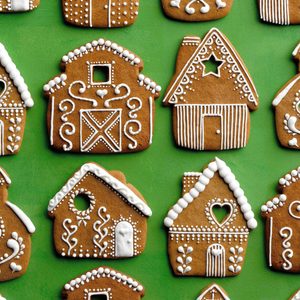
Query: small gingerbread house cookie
[212, 95]
[103, 283]
[212, 292]
[287, 110]
[14, 100]
[282, 216]
[296, 296]
[105, 13]
[199, 243]
[114, 225]
[8, 6]
[110, 113]
[15, 235]
[281, 12]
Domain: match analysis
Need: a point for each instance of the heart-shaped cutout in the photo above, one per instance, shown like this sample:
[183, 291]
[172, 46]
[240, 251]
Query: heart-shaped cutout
[102, 93]
[2, 87]
[221, 212]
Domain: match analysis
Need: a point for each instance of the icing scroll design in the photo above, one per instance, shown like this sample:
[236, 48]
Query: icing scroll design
[183, 259]
[134, 108]
[286, 233]
[204, 9]
[118, 92]
[67, 129]
[81, 90]
[101, 232]
[297, 207]
[64, 107]
[67, 235]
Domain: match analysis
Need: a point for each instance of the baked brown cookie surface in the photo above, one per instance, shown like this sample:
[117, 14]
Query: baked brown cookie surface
[287, 110]
[101, 103]
[281, 12]
[14, 100]
[213, 291]
[15, 235]
[201, 243]
[114, 224]
[100, 13]
[211, 95]
[7, 6]
[105, 282]
[282, 228]
[196, 10]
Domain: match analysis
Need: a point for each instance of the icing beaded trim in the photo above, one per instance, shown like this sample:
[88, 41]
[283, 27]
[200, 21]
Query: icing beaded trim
[274, 204]
[104, 272]
[117, 185]
[149, 84]
[290, 178]
[204, 179]
[55, 84]
[15, 76]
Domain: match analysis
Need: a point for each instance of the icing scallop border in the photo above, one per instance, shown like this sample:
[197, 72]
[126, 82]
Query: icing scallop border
[117, 185]
[204, 179]
[15, 76]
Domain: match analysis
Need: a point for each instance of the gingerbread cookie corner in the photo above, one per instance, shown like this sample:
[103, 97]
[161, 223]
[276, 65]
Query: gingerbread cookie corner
[12, 6]
[214, 291]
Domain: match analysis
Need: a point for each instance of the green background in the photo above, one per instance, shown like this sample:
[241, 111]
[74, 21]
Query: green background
[36, 41]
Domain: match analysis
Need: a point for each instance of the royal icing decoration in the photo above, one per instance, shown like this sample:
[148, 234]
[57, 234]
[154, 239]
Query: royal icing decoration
[282, 215]
[213, 292]
[15, 231]
[211, 107]
[113, 226]
[296, 296]
[111, 115]
[195, 232]
[7, 6]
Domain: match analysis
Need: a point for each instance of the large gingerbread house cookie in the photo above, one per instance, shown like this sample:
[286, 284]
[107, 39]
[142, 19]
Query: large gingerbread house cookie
[114, 224]
[196, 10]
[199, 242]
[7, 6]
[14, 100]
[211, 95]
[101, 103]
[287, 110]
[15, 235]
[282, 216]
[100, 13]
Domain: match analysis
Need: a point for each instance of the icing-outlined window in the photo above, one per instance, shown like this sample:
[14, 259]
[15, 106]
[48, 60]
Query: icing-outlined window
[99, 296]
[101, 74]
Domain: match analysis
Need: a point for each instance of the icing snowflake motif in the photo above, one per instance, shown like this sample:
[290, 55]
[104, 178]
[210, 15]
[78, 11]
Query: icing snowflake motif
[184, 259]
[235, 259]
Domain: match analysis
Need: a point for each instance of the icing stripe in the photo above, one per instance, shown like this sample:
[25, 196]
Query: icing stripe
[275, 11]
[270, 242]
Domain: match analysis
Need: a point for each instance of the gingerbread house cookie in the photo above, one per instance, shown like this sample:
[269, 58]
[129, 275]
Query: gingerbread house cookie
[104, 13]
[282, 216]
[103, 283]
[113, 225]
[101, 103]
[211, 95]
[14, 100]
[287, 110]
[8, 6]
[296, 296]
[281, 12]
[213, 292]
[196, 10]
[193, 245]
[15, 235]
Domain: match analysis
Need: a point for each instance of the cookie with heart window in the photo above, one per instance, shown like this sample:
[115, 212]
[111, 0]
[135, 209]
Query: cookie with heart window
[209, 226]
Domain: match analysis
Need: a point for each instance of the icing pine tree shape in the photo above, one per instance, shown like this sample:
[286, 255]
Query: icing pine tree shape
[104, 13]
[15, 235]
[103, 283]
[114, 223]
[7, 6]
[296, 296]
[14, 100]
[287, 110]
[101, 103]
[282, 216]
[213, 292]
[212, 95]
[281, 12]
[196, 10]
[201, 242]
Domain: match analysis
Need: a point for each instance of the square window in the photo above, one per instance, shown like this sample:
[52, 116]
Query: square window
[101, 74]
[99, 297]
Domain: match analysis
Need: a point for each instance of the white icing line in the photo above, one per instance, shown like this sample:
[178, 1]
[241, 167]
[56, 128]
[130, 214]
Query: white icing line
[270, 242]
[23, 217]
[199, 187]
[210, 288]
[52, 121]
[296, 50]
[6, 177]
[151, 120]
[117, 185]
[15, 76]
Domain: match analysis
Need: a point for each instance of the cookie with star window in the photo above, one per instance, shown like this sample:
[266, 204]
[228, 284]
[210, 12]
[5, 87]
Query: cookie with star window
[211, 95]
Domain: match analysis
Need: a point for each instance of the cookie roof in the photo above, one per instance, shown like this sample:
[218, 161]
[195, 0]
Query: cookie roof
[211, 287]
[246, 85]
[204, 179]
[5, 176]
[117, 185]
[104, 272]
[18, 81]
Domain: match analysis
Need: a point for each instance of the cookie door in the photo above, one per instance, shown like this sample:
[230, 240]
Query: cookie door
[215, 261]
[124, 239]
[212, 132]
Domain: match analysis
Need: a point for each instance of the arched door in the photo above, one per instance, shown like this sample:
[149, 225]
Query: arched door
[215, 261]
[124, 239]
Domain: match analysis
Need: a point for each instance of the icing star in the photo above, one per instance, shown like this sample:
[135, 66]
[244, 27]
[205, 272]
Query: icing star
[212, 66]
